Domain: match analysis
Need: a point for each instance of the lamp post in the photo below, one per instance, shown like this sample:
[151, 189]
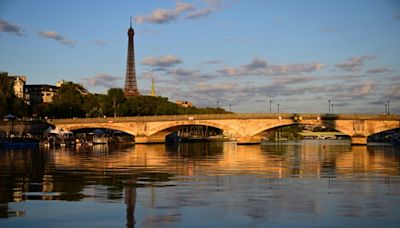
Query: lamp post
[278, 108]
[329, 106]
[388, 110]
[230, 108]
[332, 108]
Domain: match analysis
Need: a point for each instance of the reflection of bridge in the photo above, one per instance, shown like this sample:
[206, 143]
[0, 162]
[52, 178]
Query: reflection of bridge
[244, 128]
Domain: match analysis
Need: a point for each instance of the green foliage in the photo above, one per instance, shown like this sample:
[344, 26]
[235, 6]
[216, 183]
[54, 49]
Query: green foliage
[9, 103]
[72, 100]
[69, 101]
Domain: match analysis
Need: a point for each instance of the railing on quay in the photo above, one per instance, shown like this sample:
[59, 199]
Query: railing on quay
[304, 116]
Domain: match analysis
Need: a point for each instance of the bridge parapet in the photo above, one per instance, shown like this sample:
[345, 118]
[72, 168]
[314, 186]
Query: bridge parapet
[227, 116]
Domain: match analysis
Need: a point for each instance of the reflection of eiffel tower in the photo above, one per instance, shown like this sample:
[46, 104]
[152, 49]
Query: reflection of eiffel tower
[130, 201]
[130, 88]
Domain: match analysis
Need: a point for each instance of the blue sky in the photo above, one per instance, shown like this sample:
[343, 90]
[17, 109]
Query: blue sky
[299, 54]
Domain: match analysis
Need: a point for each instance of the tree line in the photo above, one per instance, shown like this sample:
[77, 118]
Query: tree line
[73, 100]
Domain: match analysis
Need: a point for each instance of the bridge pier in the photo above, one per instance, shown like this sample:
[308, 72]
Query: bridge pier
[359, 140]
[248, 140]
[149, 139]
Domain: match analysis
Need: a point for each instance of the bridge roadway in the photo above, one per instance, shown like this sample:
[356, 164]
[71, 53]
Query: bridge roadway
[244, 128]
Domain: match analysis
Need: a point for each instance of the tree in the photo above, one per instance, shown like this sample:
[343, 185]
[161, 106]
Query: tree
[69, 101]
[9, 103]
[6, 93]
[92, 105]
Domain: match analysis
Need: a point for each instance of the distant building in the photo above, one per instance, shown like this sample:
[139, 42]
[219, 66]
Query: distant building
[79, 86]
[185, 104]
[18, 85]
[62, 82]
[38, 94]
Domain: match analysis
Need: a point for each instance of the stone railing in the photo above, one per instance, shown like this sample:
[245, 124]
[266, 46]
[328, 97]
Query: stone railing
[225, 117]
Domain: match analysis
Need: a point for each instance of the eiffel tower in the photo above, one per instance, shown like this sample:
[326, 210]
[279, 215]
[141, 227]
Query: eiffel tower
[130, 88]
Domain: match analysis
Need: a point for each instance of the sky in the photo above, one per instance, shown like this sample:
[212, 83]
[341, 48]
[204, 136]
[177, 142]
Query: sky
[234, 54]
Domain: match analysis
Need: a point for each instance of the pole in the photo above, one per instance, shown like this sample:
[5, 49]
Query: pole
[386, 112]
[278, 108]
[388, 102]
[329, 106]
[332, 108]
[230, 108]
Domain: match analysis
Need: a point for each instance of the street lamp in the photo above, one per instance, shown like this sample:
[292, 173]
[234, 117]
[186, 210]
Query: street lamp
[329, 106]
[332, 108]
[388, 102]
[278, 108]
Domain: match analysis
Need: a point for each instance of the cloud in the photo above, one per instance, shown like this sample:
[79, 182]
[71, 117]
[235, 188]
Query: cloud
[100, 42]
[57, 37]
[184, 72]
[394, 91]
[364, 89]
[292, 80]
[379, 102]
[102, 80]
[200, 13]
[377, 70]
[212, 6]
[161, 61]
[203, 87]
[326, 29]
[13, 29]
[211, 62]
[186, 10]
[259, 66]
[277, 19]
[395, 78]
[256, 63]
[354, 64]
[160, 16]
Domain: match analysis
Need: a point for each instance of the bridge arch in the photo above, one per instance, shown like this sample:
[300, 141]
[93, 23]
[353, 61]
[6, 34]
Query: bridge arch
[261, 128]
[116, 127]
[381, 129]
[170, 126]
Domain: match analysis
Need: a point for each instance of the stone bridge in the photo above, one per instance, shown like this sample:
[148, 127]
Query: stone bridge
[244, 128]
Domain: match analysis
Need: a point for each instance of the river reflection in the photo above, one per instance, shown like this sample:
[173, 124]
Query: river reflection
[305, 183]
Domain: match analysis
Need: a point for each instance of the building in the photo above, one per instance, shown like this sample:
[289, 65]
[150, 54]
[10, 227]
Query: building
[130, 88]
[38, 94]
[185, 104]
[79, 87]
[18, 85]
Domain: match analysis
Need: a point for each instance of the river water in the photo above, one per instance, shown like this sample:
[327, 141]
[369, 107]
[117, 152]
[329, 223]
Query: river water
[307, 183]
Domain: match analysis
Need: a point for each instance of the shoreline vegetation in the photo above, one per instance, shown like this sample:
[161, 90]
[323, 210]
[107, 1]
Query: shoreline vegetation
[74, 101]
